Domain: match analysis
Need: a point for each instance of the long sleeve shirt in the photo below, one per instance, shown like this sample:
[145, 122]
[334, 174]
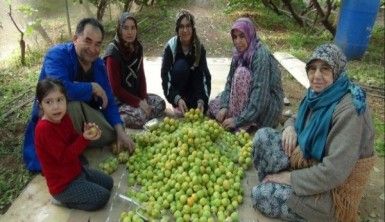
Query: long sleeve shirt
[198, 85]
[265, 102]
[61, 62]
[116, 78]
[58, 147]
[350, 138]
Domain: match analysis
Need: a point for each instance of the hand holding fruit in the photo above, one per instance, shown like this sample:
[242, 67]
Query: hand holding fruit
[91, 131]
[123, 140]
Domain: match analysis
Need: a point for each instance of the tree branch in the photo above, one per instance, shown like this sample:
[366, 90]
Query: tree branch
[270, 4]
[13, 21]
[293, 13]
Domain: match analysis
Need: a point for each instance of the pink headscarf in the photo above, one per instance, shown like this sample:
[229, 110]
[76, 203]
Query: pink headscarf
[246, 26]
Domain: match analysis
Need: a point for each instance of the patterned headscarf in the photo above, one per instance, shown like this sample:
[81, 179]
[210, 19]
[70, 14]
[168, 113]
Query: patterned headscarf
[246, 26]
[315, 113]
[332, 55]
[183, 13]
[128, 51]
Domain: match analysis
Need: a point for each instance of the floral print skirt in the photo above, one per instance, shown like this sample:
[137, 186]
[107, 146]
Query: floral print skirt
[239, 94]
[135, 117]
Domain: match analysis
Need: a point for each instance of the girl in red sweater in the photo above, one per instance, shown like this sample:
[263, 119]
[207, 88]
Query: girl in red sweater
[58, 148]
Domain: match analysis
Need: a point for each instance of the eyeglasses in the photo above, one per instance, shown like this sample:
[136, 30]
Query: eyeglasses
[126, 28]
[324, 69]
[187, 26]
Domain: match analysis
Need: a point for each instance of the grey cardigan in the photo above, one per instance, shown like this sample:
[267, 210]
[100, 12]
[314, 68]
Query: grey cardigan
[350, 138]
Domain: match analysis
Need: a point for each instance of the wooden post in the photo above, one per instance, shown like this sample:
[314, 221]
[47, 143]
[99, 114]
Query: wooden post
[68, 20]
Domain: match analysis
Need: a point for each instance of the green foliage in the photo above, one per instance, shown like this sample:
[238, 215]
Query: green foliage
[30, 12]
[47, 7]
[379, 143]
[233, 5]
[11, 183]
[27, 10]
[17, 85]
[370, 69]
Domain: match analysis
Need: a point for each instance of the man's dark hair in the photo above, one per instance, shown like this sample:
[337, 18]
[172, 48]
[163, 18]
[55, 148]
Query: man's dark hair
[91, 21]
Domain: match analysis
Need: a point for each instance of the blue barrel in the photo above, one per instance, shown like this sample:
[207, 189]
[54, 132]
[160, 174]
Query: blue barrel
[355, 25]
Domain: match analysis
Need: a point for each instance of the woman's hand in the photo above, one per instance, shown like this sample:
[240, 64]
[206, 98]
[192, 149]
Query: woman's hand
[221, 115]
[229, 123]
[282, 177]
[289, 140]
[123, 140]
[201, 105]
[182, 106]
[145, 107]
[91, 131]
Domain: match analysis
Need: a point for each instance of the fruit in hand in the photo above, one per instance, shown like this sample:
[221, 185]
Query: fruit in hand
[93, 131]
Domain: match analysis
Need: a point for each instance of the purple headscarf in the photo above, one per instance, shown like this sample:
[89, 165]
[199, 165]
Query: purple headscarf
[246, 26]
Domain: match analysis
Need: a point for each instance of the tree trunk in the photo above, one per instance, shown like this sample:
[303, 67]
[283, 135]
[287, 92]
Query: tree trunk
[127, 5]
[293, 13]
[22, 49]
[68, 20]
[22, 43]
[101, 9]
[325, 16]
[43, 33]
[270, 4]
[150, 2]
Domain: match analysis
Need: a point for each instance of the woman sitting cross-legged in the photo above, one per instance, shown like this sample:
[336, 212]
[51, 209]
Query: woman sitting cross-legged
[124, 63]
[253, 94]
[186, 79]
[317, 168]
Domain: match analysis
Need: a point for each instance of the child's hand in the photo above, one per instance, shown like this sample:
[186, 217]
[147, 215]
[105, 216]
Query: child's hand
[91, 131]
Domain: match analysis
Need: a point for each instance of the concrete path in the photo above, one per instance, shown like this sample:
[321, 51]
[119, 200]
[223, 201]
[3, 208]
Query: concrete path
[34, 203]
[294, 66]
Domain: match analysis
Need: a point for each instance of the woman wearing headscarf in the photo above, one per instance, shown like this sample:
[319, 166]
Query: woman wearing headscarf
[253, 92]
[186, 79]
[317, 168]
[124, 62]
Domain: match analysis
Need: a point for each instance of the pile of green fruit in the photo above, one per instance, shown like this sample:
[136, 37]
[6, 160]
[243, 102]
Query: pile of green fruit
[109, 165]
[189, 169]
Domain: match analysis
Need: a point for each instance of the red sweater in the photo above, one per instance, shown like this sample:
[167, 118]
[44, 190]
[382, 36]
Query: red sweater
[58, 147]
[115, 78]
